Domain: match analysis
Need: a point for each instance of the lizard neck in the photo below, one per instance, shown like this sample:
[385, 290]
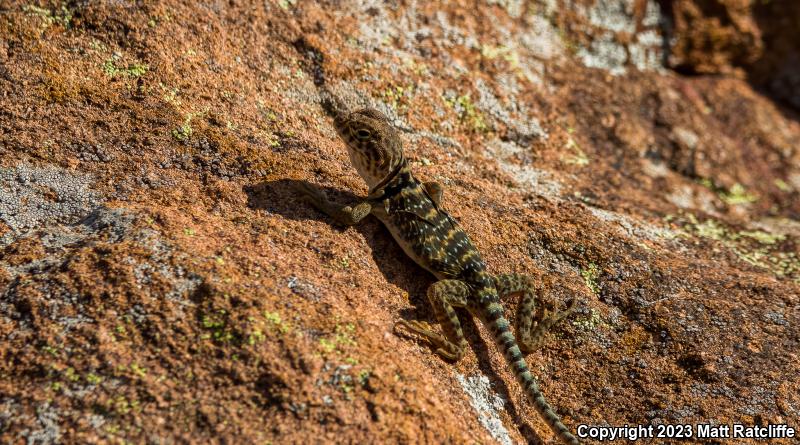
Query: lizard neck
[398, 178]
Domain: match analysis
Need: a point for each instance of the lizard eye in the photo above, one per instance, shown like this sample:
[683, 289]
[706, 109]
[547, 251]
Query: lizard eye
[363, 134]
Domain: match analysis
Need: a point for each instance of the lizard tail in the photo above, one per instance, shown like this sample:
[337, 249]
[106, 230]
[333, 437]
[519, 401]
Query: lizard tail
[508, 344]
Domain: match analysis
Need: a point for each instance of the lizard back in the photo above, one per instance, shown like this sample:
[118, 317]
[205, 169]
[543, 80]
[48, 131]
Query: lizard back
[427, 233]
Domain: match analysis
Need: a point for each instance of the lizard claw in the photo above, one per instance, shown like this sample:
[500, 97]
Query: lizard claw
[552, 318]
[444, 348]
[452, 356]
[419, 327]
[571, 306]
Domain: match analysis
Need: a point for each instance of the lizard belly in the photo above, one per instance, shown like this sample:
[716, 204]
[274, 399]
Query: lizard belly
[411, 244]
[418, 258]
[422, 243]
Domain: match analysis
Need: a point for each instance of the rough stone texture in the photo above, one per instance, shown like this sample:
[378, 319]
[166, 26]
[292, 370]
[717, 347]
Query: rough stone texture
[715, 36]
[34, 197]
[779, 68]
[753, 38]
[159, 282]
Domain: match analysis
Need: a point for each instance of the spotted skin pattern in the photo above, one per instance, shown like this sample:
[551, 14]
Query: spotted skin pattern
[412, 212]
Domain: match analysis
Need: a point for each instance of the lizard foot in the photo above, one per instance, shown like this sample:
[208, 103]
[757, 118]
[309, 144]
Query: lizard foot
[444, 348]
[535, 338]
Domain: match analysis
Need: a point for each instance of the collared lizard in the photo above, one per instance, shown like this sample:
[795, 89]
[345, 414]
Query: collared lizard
[412, 212]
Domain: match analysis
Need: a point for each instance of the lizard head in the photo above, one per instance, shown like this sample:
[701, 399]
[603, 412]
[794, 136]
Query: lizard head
[373, 144]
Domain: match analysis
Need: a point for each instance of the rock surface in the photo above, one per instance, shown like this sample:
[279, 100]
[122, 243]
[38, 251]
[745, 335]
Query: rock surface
[159, 281]
[752, 38]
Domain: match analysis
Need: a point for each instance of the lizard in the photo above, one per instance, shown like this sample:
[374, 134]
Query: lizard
[412, 212]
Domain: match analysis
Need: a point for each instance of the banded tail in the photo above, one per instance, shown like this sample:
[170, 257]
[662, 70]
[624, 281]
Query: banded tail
[508, 344]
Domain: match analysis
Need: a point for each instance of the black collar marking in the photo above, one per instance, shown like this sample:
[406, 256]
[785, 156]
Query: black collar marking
[391, 184]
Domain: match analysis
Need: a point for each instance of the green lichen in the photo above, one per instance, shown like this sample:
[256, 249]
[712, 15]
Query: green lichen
[112, 69]
[225, 328]
[71, 375]
[217, 323]
[763, 237]
[345, 334]
[59, 16]
[756, 247]
[184, 132]
[93, 379]
[420, 69]
[492, 52]
[710, 229]
[122, 406]
[327, 345]
[276, 322]
[590, 275]
[212, 322]
[363, 377]
[343, 337]
[590, 323]
[737, 195]
[170, 95]
[256, 337]
[138, 370]
[136, 70]
[579, 158]
[468, 113]
[782, 185]
[510, 55]
[397, 96]
[50, 350]
[97, 45]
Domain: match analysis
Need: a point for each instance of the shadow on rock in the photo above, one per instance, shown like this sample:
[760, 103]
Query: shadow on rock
[281, 197]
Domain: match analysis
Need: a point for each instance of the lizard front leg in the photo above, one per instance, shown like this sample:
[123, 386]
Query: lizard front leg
[345, 215]
[529, 330]
[435, 190]
[444, 295]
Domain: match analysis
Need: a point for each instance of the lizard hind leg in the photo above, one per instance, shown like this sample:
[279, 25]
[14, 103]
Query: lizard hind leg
[444, 295]
[530, 328]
